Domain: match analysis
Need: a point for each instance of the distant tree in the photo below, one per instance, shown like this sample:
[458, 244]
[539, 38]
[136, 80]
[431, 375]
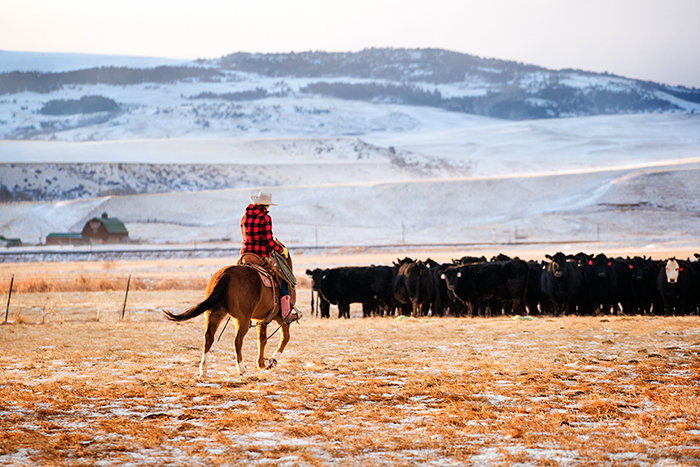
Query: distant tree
[84, 105]
[18, 81]
[258, 93]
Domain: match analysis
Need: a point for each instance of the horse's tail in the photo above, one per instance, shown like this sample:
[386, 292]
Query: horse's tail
[217, 297]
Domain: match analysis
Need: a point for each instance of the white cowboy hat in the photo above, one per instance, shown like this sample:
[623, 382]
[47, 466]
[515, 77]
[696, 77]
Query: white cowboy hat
[263, 198]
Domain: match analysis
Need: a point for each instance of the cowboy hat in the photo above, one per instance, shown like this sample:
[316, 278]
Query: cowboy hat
[264, 199]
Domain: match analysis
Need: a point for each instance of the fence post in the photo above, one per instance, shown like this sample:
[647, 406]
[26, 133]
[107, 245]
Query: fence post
[128, 281]
[7, 310]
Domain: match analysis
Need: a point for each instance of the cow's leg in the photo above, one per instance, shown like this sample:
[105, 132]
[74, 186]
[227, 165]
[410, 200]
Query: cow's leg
[242, 328]
[343, 310]
[213, 319]
[325, 308]
[518, 307]
[425, 308]
[415, 308]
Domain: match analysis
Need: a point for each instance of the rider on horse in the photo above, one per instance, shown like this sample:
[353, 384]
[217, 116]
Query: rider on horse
[256, 227]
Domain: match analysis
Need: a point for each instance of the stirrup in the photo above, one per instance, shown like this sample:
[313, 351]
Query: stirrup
[295, 315]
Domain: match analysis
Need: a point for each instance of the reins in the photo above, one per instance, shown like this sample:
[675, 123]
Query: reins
[252, 326]
[222, 331]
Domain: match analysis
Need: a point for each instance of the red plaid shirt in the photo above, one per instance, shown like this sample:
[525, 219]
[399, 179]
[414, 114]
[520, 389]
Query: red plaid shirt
[256, 227]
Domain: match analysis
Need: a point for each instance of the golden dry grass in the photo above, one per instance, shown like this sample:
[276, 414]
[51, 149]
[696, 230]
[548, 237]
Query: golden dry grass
[86, 388]
[565, 391]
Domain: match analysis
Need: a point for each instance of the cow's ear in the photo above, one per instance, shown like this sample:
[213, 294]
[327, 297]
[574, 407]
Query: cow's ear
[548, 256]
[309, 272]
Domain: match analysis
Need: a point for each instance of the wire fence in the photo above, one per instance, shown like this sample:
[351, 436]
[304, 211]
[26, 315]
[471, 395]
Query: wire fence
[34, 299]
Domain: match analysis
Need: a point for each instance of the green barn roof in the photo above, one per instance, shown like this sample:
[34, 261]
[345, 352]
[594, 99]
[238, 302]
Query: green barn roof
[64, 235]
[112, 224]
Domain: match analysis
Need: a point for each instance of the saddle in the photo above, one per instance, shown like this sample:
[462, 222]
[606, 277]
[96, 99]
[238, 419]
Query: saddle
[257, 263]
[271, 277]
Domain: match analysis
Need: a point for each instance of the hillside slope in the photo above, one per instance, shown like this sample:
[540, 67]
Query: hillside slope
[310, 94]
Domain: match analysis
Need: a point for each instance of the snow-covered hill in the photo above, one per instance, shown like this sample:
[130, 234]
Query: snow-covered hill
[312, 94]
[178, 166]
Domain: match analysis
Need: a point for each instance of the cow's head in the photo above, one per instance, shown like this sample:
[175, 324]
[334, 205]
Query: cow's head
[638, 267]
[673, 270]
[583, 260]
[451, 276]
[401, 262]
[600, 265]
[557, 265]
[317, 275]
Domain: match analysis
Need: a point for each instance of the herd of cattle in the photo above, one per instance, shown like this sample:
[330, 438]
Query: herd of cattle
[579, 284]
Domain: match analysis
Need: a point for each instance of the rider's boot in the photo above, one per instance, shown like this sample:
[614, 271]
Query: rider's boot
[288, 315]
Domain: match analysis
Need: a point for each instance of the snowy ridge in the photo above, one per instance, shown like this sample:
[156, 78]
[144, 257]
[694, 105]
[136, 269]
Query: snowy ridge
[55, 62]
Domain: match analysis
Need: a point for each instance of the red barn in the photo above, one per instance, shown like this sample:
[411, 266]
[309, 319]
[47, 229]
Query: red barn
[105, 229]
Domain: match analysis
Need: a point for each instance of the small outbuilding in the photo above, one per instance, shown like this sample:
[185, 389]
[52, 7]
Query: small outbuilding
[105, 229]
[65, 238]
[8, 242]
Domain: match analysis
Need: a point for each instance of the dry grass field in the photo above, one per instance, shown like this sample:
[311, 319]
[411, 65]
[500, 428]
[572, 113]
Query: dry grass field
[80, 386]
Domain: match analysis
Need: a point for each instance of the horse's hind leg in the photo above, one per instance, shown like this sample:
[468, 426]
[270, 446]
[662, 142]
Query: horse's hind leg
[214, 318]
[242, 328]
[262, 340]
[284, 327]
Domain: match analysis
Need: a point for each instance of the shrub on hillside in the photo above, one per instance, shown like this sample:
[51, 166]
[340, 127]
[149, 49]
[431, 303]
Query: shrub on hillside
[84, 105]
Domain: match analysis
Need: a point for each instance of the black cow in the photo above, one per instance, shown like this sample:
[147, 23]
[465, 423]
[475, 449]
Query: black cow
[624, 294]
[677, 283]
[585, 303]
[696, 267]
[534, 298]
[645, 272]
[414, 286]
[444, 301]
[561, 283]
[502, 281]
[603, 283]
[369, 285]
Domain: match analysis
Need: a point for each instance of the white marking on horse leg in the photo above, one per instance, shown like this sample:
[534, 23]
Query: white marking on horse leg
[241, 367]
[203, 366]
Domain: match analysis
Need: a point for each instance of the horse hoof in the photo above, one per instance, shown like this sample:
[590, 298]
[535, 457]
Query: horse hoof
[271, 363]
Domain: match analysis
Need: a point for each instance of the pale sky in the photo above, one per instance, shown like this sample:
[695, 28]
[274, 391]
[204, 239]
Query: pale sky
[655, 40]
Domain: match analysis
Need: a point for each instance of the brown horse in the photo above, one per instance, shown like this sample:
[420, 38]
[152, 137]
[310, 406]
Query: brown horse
[238, 291]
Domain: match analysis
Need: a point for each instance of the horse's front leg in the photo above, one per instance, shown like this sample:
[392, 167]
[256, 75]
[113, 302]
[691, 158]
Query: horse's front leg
[242, 328]
[284, 327]
[262, 340]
